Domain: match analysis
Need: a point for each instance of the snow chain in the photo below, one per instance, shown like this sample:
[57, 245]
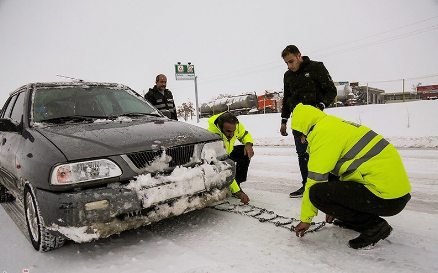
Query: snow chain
[264, 215]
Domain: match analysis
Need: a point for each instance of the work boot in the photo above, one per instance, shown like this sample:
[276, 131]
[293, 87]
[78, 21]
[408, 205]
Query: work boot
[298, 193]
[370, 236]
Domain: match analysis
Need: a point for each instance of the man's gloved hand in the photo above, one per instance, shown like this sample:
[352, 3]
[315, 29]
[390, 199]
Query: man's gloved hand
[321, 106]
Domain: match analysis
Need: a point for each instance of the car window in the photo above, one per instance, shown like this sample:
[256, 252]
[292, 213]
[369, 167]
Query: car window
[94, 101]
[17, 110]
[9, 106]
[127, 104]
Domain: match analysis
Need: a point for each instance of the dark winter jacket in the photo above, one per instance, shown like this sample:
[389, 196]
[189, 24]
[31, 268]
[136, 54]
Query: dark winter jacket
[162, 102]
[310, 85]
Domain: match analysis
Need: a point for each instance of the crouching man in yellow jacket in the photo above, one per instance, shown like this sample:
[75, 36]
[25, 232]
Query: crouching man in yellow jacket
[370, 182]
[230, 129]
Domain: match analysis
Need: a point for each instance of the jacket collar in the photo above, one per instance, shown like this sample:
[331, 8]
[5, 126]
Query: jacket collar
[306, 62]
[155, 88]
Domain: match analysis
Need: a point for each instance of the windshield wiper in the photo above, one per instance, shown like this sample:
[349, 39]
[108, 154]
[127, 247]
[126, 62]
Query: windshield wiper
[74, 118]
[135, 114]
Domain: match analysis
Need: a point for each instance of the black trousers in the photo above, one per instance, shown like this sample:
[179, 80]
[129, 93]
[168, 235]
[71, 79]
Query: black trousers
[242, 163]
[303, 159]
[353, 203]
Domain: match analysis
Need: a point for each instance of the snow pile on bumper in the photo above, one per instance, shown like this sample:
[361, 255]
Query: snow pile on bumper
[157, 198]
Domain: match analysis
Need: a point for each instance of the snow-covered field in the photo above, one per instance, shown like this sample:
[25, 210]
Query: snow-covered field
[214, 241]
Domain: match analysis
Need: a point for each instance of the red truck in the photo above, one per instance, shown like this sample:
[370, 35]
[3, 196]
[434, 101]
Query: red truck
[270, 102]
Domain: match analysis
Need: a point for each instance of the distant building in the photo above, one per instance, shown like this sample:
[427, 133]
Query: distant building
[428, 92]
[369, 94]
[401, 97]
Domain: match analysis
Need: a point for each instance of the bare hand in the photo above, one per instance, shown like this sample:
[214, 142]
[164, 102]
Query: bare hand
[301, 228]
[329, 218]
[283, 130]
[248, 150]
[242, 196]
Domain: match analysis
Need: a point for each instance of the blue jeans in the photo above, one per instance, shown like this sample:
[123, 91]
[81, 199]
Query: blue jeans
[303, 158]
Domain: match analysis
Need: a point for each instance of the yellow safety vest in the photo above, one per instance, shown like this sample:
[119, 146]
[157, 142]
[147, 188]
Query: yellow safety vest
[239, 134]
[351, 151]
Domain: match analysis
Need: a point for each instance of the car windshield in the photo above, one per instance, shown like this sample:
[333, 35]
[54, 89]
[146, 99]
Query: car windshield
[62, 104]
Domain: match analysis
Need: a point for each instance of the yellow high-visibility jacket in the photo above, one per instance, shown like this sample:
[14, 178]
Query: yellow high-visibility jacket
[351, 151]
[239, 134]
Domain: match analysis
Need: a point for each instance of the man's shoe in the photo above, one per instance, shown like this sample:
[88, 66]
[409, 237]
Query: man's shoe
[298, 193]
[343, 224]
[370, 236]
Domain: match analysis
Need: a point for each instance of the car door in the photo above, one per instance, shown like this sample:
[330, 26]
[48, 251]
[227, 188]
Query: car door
[10, 141]
[6, 110]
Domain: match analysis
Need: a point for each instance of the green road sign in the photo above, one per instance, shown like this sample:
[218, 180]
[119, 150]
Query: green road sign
[184, 72]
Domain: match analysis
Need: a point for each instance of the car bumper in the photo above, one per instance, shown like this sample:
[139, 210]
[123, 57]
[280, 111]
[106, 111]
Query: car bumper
[97, 213]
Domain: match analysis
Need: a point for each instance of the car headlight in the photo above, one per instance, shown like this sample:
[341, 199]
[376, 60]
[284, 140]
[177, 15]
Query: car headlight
[79, 172]
[213, 151]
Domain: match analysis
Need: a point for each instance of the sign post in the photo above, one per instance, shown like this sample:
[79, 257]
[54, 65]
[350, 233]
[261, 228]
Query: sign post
[187, 72]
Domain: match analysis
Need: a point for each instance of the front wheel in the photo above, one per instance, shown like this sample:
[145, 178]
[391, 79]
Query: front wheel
[41, 238]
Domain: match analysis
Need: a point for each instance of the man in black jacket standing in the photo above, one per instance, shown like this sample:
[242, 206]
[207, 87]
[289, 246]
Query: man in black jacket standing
[161, 97]
[306, 82]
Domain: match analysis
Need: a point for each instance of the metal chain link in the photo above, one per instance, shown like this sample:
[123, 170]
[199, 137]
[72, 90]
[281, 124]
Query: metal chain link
[264, 215]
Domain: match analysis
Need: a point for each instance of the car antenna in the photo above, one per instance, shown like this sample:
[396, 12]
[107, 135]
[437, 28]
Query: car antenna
[67, 77]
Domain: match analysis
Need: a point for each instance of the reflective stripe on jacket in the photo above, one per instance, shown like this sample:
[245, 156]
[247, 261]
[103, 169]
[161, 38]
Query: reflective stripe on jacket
[239, 134]
[351, 151]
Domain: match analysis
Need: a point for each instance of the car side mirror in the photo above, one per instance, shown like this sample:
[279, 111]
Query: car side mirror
[166, 113]
[7, 125]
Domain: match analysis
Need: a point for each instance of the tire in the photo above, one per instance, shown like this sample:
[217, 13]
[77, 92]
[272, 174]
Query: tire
[5, 196]
[42, 239]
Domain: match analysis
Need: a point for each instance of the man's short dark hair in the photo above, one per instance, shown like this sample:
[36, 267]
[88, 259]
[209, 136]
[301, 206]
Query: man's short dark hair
[290, 49]
[157, 78]
[226, 117]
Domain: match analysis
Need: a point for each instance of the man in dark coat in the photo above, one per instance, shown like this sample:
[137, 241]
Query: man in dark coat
[161, 97]
[306, 82]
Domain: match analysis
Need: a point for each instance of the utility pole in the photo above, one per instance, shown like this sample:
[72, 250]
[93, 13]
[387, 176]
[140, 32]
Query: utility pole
[196, 96]
[367, 95]
[403, 90]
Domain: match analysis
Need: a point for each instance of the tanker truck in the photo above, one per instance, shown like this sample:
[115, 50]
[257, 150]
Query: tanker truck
[239, 105]
[345, 96]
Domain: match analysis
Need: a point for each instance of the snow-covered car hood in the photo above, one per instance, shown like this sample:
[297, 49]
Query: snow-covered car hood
[86, 140]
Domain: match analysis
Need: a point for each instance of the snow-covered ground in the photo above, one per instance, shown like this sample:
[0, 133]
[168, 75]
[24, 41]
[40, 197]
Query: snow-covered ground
[214, 241]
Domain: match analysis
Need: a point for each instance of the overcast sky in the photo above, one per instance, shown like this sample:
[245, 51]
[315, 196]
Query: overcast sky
[235, 45]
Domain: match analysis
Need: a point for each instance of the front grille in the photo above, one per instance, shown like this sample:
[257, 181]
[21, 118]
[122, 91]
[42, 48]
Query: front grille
[180, 155]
